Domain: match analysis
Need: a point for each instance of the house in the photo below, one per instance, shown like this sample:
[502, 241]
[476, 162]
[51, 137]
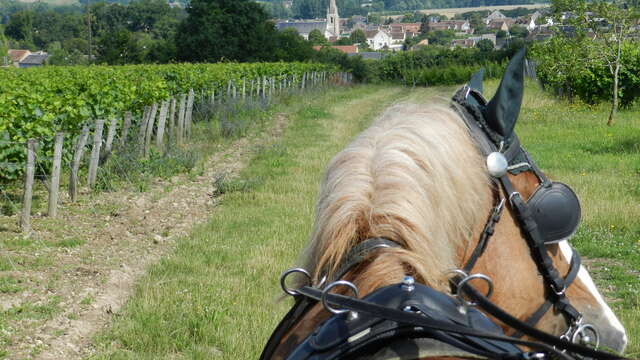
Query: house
[398, 37]
[303, 27]
[496, 15]
[347, 49]
[15, 56]
[33, 60]
[26, 58]
[461, 26]
[490, 37]
[370, 55]
[330, 27]
[378, 39]
[473, 41]
[502, 24]
[464, 43]
[422, 43]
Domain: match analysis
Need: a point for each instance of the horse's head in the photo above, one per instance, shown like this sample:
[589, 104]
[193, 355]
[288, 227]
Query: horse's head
[434, 180]
[508, 259]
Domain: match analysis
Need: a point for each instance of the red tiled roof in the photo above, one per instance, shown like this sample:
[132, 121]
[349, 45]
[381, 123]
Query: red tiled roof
[17, 55]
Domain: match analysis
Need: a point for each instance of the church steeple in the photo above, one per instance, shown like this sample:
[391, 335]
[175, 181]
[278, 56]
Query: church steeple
[333, 20]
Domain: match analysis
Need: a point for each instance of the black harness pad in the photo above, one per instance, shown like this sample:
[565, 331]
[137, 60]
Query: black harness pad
[344, 336]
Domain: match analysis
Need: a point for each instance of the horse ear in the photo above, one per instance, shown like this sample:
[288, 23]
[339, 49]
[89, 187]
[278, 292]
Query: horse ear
[476, 81]
[502, 111]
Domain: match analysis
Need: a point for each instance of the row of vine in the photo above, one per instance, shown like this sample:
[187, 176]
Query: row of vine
[37, 103]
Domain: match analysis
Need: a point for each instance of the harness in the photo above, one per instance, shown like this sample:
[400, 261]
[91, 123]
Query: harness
[409, 310]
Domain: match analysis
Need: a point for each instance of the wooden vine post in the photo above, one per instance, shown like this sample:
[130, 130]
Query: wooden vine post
[55, 175]
[142, 131]
[189, 115]
[95, 153]
[125, 128]
[161, 124]
[181, 115]
[75, 166]
[172, 122]
[149, 130]
[29, 174]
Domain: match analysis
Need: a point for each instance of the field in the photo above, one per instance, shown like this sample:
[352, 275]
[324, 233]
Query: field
[212, 291]
[450, 12]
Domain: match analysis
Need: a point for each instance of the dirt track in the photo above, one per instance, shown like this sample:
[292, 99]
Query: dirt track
[74, 295]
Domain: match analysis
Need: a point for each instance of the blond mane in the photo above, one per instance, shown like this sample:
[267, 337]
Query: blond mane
[414, 177]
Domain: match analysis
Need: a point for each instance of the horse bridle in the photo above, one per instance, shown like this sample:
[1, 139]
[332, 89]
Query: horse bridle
[498, 158]
[499, 155]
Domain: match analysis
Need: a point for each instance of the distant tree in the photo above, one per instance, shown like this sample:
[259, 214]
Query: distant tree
[119, 48]
[485, 45]
[424, 25]
[290, 46]
[374, 19]
[316, 37]
[612, 23]
[20, 26]
[358, 37]
[501, 34]
[225, 29]
[441, 37]
[309, 9]
[4, 47]
[344, 41]
[519, 31]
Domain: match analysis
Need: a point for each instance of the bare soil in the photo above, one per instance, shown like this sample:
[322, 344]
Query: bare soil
[76, 291]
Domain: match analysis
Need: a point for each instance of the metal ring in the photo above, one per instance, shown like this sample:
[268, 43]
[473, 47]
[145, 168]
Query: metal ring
[326, 290]
[581, 330]
[473, 277]
[284, 276]
[512, 195]
[458, 272]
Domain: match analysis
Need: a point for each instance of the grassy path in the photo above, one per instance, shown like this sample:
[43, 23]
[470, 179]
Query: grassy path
[215, 295]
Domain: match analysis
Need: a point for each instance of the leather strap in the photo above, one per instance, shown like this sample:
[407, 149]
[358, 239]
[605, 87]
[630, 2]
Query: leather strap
[360, 252]
[382, 312]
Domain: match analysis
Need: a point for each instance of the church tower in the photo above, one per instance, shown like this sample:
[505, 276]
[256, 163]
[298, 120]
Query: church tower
[333, 20]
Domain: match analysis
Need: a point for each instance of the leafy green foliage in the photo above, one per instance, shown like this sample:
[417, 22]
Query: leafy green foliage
[38, 102]
[433, 65]
[225, 29]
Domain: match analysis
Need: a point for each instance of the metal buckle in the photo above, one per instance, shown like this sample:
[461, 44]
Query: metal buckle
[581, 337]
[323, 298]
[459, 286]
[561, 292]
[284, 276]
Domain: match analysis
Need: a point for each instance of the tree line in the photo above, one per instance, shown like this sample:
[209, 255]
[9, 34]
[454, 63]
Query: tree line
[311, 9]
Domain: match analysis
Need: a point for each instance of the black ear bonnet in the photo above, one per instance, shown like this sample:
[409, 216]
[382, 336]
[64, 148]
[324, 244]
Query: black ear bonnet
[555, 206]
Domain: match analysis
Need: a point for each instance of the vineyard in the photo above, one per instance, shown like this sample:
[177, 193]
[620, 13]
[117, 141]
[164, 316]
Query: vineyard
[134, 116]
[37, 103]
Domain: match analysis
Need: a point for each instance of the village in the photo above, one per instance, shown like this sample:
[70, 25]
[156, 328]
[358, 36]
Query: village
[401, 33]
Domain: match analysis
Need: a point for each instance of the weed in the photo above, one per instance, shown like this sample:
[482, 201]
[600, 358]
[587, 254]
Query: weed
[10, 285]
[224, 184]
[87, 300]
[70, 242]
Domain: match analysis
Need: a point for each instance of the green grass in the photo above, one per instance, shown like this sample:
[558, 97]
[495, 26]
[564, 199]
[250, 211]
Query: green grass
[216, 295]
[572, 143]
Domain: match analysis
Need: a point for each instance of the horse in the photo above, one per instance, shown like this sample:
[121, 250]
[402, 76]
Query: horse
[432, 193]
